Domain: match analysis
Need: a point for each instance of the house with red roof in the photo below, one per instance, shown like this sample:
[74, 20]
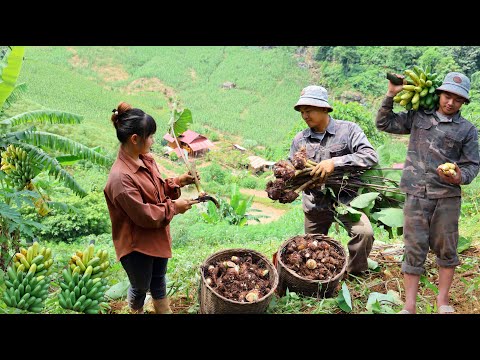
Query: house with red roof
[195, 144]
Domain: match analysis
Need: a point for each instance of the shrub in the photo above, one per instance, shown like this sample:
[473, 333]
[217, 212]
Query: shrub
[91, 218]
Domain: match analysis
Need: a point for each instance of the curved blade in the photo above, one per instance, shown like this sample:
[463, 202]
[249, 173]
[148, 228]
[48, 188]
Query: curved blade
[205, 198]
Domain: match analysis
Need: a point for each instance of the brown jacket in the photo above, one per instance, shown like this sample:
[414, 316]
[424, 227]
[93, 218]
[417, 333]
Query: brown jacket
[140, 206]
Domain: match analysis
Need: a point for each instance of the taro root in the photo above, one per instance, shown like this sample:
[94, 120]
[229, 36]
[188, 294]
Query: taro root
[288, 197]
[252, 296]
[301, 244]
[312, 258]
[313, 245]
[228, 264]
[299, 160]
[284, 170]
[276, 189]
[239, 276]
[294, 258]
[311, 264]
[262, 272]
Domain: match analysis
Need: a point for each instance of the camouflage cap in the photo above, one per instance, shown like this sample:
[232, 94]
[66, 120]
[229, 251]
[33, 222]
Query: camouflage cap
[456, 83]
[314, 95]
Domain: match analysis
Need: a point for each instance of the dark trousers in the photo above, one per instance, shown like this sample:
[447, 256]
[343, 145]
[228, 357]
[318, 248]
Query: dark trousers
[361, 234]
[144, 272]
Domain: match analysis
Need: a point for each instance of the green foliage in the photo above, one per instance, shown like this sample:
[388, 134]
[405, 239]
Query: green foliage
[173, 156]
[344, 299]
[12, 223]
[214, 173]
[234, 212]
[324, 53]
[467, 57]
[90, 218]
[249, 183]
[369, 81]
[347, 56]
[11, 64]
[400, 58]
[180, 121]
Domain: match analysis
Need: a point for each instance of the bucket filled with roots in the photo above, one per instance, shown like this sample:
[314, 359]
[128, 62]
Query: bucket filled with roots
[239, 281]
[311, 265]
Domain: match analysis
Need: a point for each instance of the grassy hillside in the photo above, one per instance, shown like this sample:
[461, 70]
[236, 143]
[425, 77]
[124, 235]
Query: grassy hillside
[92, 80]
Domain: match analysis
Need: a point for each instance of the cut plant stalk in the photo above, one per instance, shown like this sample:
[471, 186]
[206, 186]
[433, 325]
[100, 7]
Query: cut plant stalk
[191, 167]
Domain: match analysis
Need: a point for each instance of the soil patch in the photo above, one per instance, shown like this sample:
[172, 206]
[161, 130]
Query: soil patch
[265, 213]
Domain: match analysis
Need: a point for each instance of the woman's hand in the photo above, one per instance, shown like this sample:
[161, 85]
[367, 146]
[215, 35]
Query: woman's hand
[187, 179]
[182, 205]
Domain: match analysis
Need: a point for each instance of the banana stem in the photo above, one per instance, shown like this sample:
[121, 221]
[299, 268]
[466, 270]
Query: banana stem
[191, 169]
[193, 172]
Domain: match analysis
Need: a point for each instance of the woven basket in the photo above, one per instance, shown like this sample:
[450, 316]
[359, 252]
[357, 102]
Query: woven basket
[300, 285]
[212, 302]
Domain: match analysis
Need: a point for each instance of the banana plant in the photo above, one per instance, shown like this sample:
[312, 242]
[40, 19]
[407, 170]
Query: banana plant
[33, 142]
[25, 152]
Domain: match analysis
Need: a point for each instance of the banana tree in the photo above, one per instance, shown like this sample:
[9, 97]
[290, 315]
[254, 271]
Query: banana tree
[26, 152]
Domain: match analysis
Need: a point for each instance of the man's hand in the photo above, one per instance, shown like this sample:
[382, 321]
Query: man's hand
[182, 205]
[394, 89]
[186, 179]
[323, 169]
[449, 178]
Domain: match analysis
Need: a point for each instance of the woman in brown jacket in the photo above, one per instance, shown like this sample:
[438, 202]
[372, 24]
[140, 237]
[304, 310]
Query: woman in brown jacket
[141, 205]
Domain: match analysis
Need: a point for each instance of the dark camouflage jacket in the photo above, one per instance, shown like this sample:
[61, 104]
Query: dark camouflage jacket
[432, 143]
[345, 143]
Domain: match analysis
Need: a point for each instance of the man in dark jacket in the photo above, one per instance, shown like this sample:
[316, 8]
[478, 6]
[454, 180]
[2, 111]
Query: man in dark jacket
[433, 198]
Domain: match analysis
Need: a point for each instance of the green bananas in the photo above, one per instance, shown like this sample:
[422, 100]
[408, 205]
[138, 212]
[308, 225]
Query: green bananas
[27, 284]
[419, 92]
[16, 165]
[84, 284]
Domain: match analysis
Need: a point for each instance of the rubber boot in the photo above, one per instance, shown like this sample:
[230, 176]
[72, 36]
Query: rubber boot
[162, 306]
[136, 311]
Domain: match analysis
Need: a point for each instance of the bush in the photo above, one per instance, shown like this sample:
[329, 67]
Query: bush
[249, 183]
[173, 156]
[214, 173]
[92, 218]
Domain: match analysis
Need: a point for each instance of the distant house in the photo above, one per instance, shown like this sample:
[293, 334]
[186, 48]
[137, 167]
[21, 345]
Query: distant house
[195, 144]
[257, 164]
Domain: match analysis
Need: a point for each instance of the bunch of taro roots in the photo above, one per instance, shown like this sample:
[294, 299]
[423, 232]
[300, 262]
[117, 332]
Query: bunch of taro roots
[240, 279]
[294, 177]
[312, 258]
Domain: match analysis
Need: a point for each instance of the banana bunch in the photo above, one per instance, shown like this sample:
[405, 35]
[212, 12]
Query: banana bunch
[419, 92]
[27, 286]
[84, 285]
[16, 165]
[37, 255]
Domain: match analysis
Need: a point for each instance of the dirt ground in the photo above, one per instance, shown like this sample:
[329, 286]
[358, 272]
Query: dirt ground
[271, 213]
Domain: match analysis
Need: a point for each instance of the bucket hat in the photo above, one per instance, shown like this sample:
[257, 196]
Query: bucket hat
[314, 95]
[456, 83]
